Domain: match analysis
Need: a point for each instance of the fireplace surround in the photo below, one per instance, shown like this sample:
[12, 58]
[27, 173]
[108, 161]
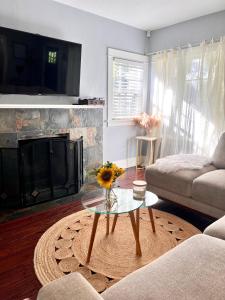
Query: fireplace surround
[47, 152]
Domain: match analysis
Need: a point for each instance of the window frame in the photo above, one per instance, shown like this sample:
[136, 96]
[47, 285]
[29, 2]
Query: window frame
[121, 54]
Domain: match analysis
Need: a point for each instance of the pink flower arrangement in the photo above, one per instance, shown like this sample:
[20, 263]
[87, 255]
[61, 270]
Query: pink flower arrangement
[147, 121]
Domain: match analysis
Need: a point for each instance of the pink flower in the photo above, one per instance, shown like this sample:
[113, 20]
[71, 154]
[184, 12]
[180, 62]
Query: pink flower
[147, 121]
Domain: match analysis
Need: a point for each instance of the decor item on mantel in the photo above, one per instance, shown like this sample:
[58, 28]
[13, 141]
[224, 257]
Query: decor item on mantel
[91, 101]
[151, 123]
[106, 176]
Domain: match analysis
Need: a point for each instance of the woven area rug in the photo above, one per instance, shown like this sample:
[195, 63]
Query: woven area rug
[63, 247]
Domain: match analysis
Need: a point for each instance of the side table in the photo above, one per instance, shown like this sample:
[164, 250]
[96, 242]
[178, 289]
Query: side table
[154, 143]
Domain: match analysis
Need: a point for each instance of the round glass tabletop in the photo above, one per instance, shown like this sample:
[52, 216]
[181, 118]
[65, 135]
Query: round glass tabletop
[95, 201]
[150, 199]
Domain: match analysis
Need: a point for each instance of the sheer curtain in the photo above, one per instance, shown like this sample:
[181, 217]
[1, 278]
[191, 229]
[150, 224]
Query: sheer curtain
[188, 92]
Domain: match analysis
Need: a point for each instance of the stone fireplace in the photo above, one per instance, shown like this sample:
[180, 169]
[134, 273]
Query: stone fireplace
[50, 149]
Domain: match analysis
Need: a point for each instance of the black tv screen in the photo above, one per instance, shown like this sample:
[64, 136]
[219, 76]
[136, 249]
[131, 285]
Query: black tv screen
[34, 64]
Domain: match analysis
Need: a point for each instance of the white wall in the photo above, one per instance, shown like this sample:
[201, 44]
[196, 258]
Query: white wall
[96, 34]
[193, 31]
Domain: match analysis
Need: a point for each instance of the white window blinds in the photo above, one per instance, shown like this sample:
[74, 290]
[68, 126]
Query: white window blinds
[128, 82]
[127, 87]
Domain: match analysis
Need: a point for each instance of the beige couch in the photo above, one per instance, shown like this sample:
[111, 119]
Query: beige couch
[202, 190]
[193, 270]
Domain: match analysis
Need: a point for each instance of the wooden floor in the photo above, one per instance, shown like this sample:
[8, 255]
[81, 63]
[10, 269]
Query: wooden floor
[19, 237]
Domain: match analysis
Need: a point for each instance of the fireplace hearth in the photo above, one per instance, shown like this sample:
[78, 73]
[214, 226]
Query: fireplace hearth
[40, 170]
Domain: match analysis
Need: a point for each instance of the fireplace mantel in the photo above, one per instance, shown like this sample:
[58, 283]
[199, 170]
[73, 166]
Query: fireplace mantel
[47, 106]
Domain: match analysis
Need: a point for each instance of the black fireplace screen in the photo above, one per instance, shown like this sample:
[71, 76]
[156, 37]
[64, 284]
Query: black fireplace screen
[40, 170]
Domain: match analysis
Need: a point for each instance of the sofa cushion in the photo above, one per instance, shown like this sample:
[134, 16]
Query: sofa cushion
[219, 153]
[70, 287]
[179, 182]
[194, 270]
[209, 188]
[216, 229]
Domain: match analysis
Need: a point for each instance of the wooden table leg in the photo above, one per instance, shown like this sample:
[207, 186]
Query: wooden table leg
[138, 220]
[133, 223]
[114, 222]
[107, 224]
[141, 162]
[151, 218]
[138, 225]
[150, 158]
[137, 154]
[94, 227]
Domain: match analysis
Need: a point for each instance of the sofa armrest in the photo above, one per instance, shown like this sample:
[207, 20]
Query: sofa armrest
[70, 287]
[216, 229]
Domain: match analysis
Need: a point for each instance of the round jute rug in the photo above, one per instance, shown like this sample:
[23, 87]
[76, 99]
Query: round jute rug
[62, 249]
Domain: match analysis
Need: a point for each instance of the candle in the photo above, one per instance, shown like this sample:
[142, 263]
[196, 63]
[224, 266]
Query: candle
[139, 189]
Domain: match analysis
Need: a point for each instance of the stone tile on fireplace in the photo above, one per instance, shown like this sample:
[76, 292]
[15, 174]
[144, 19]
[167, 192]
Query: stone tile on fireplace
[54, 119]
[76, 133]
[8, 140]
[84, 117]
[92, 118]
[91, 158]
[27, 120]
[7, 120]
[75, 118]
[99, 135]
[89, 135]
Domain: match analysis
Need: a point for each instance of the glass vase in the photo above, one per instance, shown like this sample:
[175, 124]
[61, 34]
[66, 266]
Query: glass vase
[153, 132]
[110, 198]
[148, 132]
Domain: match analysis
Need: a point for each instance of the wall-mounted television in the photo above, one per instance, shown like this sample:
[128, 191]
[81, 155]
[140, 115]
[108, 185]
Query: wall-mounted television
[34, 64]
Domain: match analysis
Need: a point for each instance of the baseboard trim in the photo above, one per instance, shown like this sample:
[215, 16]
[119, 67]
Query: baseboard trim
[126, 163]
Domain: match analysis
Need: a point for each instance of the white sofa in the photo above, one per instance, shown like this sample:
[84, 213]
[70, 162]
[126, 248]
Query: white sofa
[202, 190]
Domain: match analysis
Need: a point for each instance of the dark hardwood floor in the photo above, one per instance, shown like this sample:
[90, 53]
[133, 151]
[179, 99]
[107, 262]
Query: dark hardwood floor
[19, 237]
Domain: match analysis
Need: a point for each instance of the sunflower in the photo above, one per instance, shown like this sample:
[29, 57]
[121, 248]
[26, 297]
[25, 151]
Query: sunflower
[105, 177]
[119, 171]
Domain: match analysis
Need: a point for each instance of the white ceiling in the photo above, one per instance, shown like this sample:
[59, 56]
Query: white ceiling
[148, 14]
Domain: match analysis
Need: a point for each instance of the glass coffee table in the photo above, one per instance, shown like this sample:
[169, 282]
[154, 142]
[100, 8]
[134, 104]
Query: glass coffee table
[95, 202]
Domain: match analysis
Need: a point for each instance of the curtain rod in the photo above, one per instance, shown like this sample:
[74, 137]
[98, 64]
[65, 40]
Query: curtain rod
[185, 46]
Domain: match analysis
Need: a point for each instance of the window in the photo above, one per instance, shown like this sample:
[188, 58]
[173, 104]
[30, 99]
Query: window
[127, 86]
[52, 56]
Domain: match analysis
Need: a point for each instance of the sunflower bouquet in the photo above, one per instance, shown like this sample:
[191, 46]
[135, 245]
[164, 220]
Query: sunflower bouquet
[107, 174]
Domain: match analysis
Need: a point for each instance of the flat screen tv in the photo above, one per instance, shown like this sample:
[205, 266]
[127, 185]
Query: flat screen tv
[34, 64]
